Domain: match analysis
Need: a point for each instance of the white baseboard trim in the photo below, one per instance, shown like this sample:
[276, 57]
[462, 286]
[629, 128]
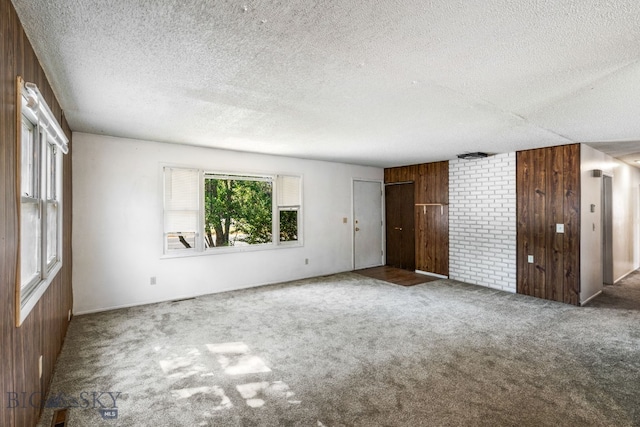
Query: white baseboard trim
[426, 273]
[83, 311]
[590, 298]
[623, 276]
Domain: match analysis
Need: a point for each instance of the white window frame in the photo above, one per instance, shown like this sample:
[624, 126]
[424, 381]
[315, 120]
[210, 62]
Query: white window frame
[286, 205]
[200, 248]
[46, 191]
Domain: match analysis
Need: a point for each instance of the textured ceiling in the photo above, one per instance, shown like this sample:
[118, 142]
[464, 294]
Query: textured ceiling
[376, 82]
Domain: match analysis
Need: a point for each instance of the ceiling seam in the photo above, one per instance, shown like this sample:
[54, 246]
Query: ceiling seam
[474, 102]
[584, 87]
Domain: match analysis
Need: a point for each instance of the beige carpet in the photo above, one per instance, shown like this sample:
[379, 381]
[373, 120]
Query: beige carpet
[346, 350]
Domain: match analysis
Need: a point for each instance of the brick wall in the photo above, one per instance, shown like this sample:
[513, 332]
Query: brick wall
[482, 221]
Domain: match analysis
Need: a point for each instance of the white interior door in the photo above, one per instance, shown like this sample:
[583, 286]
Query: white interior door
[367, 224]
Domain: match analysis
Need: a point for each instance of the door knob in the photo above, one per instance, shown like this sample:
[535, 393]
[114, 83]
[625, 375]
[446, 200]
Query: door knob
[397, 228]
[357, 229]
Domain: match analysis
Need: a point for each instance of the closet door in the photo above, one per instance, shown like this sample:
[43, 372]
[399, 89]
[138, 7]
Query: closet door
[400, 229]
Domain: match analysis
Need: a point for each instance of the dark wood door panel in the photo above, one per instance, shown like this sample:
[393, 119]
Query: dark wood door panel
[431, 186]
[400, 229]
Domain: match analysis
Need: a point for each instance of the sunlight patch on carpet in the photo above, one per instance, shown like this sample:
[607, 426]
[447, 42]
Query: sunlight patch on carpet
[201, 366]
[236, 359]
[214, 395]
[184, 366]
[256, 394]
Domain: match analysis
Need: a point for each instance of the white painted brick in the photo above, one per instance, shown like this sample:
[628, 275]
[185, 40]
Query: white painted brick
[482, 221]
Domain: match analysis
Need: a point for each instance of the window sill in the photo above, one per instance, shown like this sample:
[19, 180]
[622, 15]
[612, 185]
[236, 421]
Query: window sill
[232, 250]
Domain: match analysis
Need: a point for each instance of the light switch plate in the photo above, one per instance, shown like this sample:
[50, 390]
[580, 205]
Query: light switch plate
[530, 259]
[559, 228]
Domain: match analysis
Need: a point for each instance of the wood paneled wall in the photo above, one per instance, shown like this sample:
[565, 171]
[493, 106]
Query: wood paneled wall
[43, 332]
[431, 222]
[548, 193]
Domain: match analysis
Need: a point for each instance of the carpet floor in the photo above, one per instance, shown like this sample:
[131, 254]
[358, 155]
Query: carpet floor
[347, 350]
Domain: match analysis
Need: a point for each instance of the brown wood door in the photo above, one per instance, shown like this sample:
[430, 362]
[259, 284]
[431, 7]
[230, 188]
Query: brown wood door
[400, 229]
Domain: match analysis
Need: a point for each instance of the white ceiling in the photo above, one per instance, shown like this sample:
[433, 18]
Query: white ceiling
[376, 82]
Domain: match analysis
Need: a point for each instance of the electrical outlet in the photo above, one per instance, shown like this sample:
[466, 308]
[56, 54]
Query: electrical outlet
[152, 281]
[559, 228]
[306, 261]
[530, 259]
[40, 366]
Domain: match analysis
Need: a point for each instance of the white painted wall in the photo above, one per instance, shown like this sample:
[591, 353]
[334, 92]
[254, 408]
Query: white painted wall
[591, 222]
[117, 224]
[626, 220]
[482, 221]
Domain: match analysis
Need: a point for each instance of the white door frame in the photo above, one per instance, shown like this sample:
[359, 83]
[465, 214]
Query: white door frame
[603, 230]
[383, 258]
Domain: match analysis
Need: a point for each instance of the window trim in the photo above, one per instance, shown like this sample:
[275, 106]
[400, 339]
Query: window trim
[31, 106]
[200, 249]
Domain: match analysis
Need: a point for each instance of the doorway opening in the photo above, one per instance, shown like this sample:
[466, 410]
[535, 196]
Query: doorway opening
[607, 230]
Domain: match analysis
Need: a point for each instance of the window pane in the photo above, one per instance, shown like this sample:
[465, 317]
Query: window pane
[288, 225]
[28, 159]
[178, 241]
[29, 243]
[51, 172]
[181, 221]
[238, 212]
[52, 232]
[288, 190]
[181, 189]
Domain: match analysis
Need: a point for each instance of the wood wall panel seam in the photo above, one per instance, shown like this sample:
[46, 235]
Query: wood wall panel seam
[18, 167]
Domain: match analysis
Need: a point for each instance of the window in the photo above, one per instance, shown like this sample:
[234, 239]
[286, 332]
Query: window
[41, 145]
[30, 218]
[220, 212]
[238, 210]
[288, 208]
[181, 208]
